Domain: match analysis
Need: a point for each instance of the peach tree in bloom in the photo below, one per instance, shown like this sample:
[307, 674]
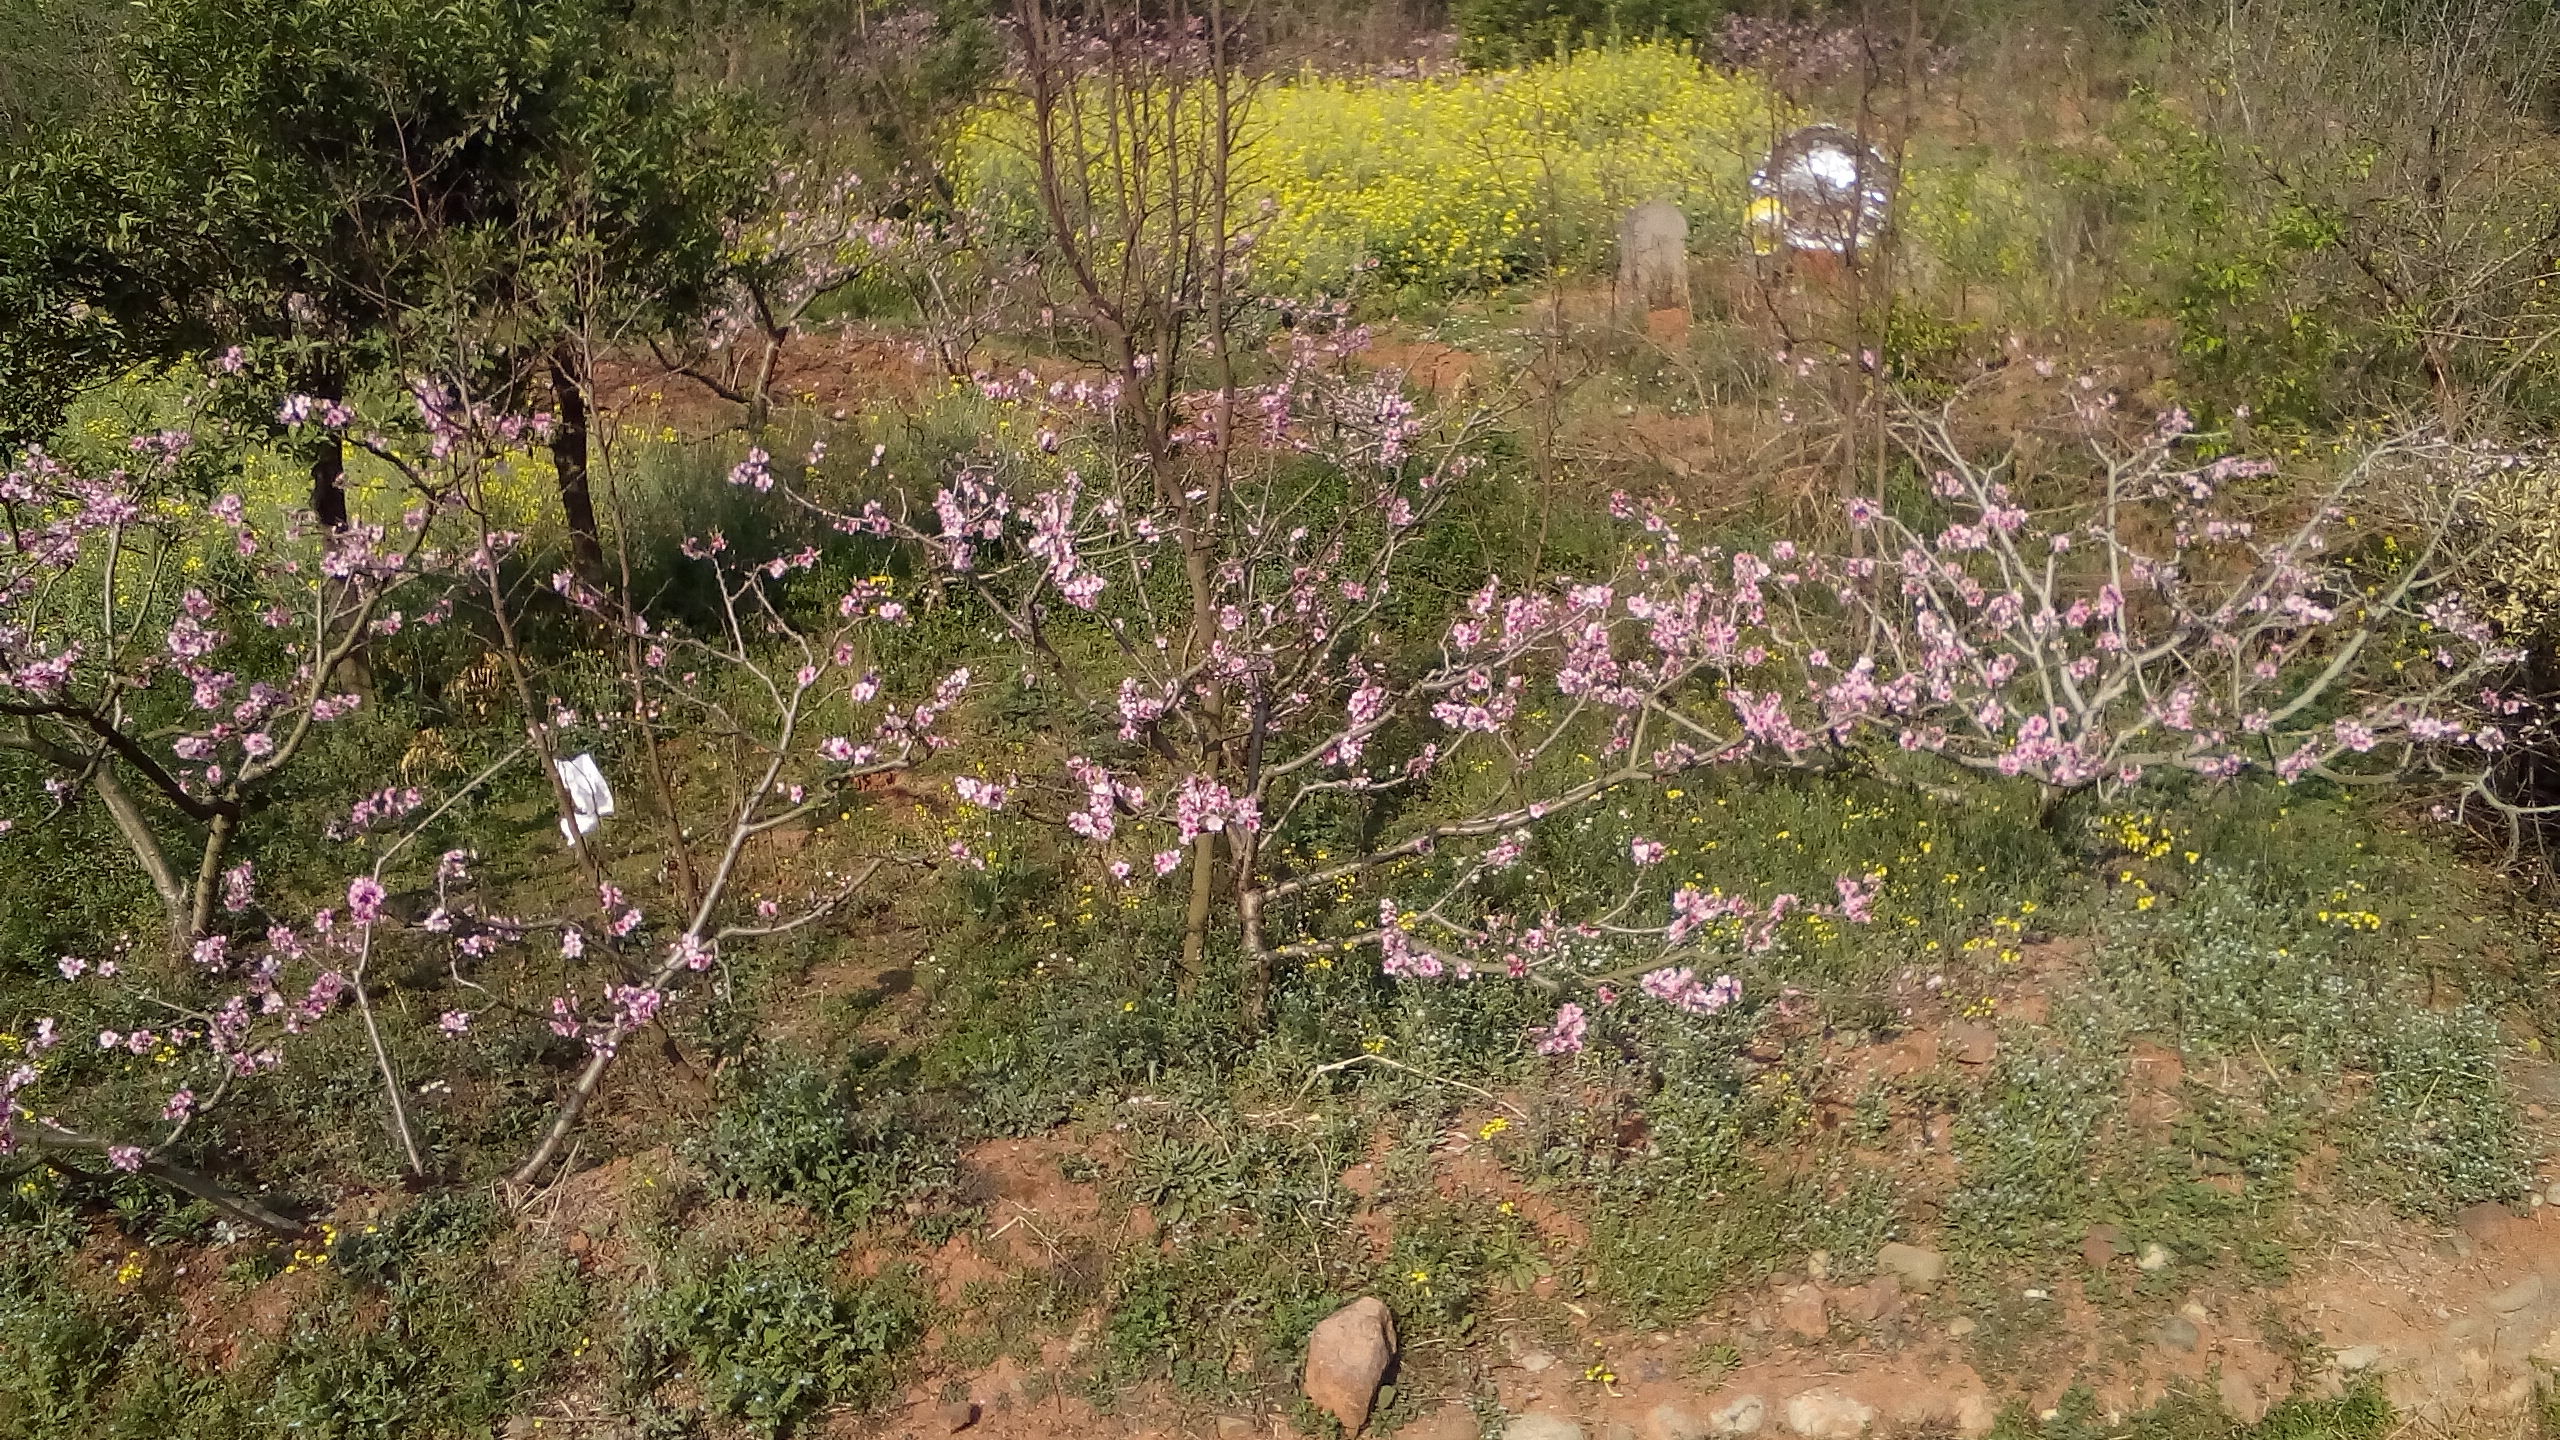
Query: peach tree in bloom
[1342, 742]
[159, 632]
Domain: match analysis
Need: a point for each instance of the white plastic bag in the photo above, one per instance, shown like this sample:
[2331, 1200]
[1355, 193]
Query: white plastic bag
[590, 798]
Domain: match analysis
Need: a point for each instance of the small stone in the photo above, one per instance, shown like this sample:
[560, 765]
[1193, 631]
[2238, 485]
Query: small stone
[1969, 1042]
[2100, 1247]
[2241, 1398]
[1977, 1415]
[2483, 1221]
[1233, 1427]
[1617, 1430]
[1741, 1415]
[1878, 1299]
[1346, 1358]
[1452, 1421]
[580, 1242]
[2358, 1358]
[1668, 1421]
[2194, 1310]
[2517, 1296]
[959, 1415]
[2178, 1333]
[1960, 1327]
[2553, 1194]
[1537, 1361]
[2153, 1258]
[2033, 1294]
[2454, 1246]
[1818, 1265]
[1803, 1310]
[1828, 1415]
[1918, 1268]
[1541, 1425]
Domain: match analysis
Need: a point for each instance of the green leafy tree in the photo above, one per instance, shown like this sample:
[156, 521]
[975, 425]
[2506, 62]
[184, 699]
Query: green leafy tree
[359, 188]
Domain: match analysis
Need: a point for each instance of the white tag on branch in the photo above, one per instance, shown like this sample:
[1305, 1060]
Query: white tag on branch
[590, 799]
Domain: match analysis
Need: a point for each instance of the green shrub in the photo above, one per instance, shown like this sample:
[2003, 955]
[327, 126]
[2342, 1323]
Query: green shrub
[770, 1339]
[793, 1132]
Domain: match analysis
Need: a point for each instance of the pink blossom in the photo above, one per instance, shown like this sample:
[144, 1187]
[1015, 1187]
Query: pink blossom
[1563, 1036]
[981, 793]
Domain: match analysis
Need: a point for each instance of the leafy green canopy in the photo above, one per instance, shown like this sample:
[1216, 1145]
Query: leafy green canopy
[362, 183]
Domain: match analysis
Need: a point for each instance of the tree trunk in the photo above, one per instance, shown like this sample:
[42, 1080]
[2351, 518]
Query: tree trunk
[329, 481]
[569, 462]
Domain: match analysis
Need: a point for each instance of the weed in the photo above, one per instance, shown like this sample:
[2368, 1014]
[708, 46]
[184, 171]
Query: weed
[770, 1339]
[2192, 1414]
[791, 1131]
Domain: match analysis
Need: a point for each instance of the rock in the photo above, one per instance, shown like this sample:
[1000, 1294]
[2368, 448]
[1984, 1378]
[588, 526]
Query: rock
[1802, 1309]
[1653, 259]
[1917, 1268]
[2518, 1296]
[959, 1415]
[1668, 1421]
[1346, 1358]
[1541, 1425]
[2241, 1398]
[1960, 1327]
[2100, 1247]
[1453, 1421]
[2483, 1221]
[2178, 1333]
[2153, 1258]
[1969, 1042]
[1878, 1299]
[2455, 1246]
[1828, 1415]
[1537, 1361]
[1976, 1415]
[2553, 1194]
[1818, 1265]
[1617, 1430]
[2357, 1358]
[1741, 1415]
